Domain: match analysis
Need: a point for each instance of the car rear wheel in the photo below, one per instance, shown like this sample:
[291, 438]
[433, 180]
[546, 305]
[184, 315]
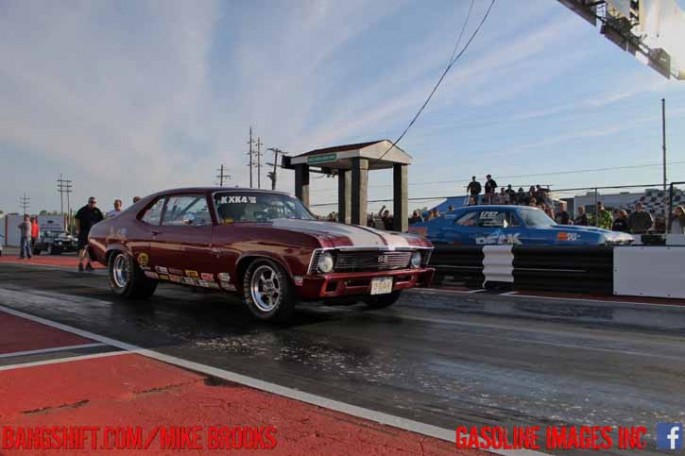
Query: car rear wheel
[126, 279]
[381, 301]
[268, 291]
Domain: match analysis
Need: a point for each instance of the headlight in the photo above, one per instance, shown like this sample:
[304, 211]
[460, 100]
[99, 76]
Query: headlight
[326, 262]
[415, 260]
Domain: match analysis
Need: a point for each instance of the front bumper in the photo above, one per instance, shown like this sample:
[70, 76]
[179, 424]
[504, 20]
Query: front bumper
[338, 284]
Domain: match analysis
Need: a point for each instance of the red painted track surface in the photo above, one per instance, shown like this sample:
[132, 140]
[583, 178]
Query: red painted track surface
[18, 334]
[129, 390]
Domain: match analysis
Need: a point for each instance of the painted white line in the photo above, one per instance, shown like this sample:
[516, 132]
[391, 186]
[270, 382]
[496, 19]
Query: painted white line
[480, 290]
[510, 293]
[320, 401]
[61, 360]
[50, 350]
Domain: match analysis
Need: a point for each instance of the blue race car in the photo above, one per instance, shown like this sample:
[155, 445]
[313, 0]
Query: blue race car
[496, 225]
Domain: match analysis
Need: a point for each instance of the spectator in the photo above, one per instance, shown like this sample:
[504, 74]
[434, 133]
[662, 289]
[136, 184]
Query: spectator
[522, 198]
[503, 197]
[386, 218]
[533, 202]
[581, 218]
[603, 217]
[678, 220]
[548, 210]
[474, 188]
[415, 217]
[472, 202]
[35, 231]
[620, 221]
[117, 209]
[433, 214]
[25, 239]
[563, 218]
[370, 221]
[136, 199]
[490, 189]
[86, 217]
[512, 194]
[640, 221]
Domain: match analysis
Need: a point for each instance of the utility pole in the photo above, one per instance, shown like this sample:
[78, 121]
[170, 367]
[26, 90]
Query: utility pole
[273, 174]
[223, 175]
[663, 146]
[259, 162]
[64, 186]
[251, 154]
[25, 203]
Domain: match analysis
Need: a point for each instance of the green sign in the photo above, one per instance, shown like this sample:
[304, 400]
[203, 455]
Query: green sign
[316, 159]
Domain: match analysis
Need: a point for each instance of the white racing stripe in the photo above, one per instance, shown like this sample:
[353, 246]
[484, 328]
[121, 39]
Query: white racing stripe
[448, 435]
[359, 236]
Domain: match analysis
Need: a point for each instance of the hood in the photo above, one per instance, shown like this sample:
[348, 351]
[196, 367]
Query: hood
[341, 235]
[580, 228]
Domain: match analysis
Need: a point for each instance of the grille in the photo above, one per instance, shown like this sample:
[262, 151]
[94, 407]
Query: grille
[371, 261]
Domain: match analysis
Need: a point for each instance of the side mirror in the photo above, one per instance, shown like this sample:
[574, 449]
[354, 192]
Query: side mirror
[188, 219]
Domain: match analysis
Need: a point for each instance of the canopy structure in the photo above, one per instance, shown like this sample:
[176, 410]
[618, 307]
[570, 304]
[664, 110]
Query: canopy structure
[352, 163]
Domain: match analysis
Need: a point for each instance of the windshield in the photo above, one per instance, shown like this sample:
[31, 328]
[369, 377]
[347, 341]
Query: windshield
[535, 218]
[258, 207]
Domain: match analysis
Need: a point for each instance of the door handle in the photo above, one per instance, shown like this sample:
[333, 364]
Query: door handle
[155, 233]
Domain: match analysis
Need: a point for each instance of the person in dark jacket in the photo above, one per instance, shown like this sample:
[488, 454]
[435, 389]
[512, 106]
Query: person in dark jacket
[581, 218]
[620, 221]
[640, 221]
[474, 188]
[86, 217]
[490, 189]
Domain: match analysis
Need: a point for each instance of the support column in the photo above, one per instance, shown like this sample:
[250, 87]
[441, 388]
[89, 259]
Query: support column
[302, 183]
[400, 195]
[344, 196]
[360, 187]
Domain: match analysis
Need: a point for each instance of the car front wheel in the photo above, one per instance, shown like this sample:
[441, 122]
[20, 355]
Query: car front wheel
[127, 280]
[268, 291]
[381, 301]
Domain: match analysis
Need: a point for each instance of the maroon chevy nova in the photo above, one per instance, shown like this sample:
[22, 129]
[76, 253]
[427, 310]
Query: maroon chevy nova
[264, 245]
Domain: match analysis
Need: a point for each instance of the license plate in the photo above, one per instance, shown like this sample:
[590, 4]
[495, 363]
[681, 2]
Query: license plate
[381, 285]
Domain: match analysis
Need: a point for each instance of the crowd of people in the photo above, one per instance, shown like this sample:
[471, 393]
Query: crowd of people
[85, 218]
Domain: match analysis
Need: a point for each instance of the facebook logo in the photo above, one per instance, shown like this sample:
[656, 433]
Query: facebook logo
[669, 436]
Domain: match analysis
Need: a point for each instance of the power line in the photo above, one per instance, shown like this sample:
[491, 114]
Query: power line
[25, 203]
[442, 77]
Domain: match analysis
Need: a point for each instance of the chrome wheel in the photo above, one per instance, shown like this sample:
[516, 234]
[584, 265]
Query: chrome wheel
[266, 288]
[121, 271]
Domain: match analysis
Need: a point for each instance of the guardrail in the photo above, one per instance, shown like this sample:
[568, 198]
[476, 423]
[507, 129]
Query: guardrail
[624, 270]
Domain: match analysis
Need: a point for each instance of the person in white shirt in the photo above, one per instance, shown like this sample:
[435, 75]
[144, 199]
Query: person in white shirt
[117, 209]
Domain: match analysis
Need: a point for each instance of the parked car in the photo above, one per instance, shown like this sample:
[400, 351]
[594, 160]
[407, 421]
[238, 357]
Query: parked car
[264, 245]
[55, 242]
[493, 225]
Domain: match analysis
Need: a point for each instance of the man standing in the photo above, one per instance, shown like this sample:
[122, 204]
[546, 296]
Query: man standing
[512, 194]
[563, 217]
[25, 239]
[603, 217]
[117, 209]
[386, 218]
[474, 188]
[581, 218]
[490, 189]
[86, 217]
[640, 221]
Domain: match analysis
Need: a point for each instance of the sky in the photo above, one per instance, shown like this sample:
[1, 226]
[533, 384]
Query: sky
[131, 97]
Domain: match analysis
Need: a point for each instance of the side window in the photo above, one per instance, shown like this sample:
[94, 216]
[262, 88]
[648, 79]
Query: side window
[188, 210]
[514, 220]
[468, 219]
[153, 215]
[492, 219]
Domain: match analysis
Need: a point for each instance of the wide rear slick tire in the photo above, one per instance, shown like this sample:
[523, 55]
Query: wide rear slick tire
[126, 279]
[268, 291]
[382, 301]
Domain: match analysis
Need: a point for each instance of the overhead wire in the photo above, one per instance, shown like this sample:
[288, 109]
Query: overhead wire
[451, 63]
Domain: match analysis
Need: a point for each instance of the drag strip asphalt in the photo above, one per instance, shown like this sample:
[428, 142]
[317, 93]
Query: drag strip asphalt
[431, 367]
